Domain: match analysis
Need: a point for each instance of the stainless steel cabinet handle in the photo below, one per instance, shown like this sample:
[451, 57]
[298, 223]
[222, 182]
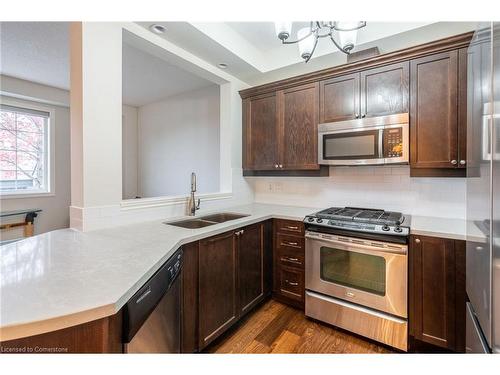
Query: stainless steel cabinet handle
[417, 240]
[363, 116]
[291, 228]
[462, 162]
[239, 233]
[289, 259]
[454, 162]
[276, 166]
[291, 283]
[281, 166]
[357, 116]
[287, 243]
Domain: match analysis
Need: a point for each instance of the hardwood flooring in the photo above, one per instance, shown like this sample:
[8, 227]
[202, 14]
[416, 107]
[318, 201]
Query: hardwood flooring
[276, 328]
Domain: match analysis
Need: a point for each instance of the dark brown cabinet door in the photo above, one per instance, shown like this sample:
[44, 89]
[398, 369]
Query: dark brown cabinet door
[437, 291]
[339, 98]
[384, 90]
[433, 111]
[251, 266]
[298, 117]
[260, 140]
[217, 286]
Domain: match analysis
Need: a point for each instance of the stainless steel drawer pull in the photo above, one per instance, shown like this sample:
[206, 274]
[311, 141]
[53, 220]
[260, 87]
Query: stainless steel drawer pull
[291, 283]
[417, 240]
[291, 227]
[289, 259]
[289, 243]
[453, 162]
[462, 162]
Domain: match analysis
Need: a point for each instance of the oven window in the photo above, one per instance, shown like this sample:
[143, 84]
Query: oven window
[354, 270]
[351, 145]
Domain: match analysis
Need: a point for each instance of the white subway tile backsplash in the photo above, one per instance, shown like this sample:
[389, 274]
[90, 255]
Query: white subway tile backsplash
[387, 187]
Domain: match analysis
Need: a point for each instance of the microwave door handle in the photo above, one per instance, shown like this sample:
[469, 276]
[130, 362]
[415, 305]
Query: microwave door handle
[381, 143]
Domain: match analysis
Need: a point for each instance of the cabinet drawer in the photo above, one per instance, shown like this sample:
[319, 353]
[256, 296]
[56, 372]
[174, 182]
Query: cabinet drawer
[289, 226]
[290, 251]
[292, 283]
[291, 257]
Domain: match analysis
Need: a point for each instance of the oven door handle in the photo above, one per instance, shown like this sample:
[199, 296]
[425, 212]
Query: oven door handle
[364, 245]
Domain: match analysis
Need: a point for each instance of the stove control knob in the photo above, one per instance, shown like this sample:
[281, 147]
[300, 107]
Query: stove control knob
[319, 220]
[398, 230]
[385, 228]
[310, 219]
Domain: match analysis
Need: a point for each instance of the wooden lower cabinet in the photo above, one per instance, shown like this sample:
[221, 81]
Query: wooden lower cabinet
[436, 293]
[289, 262]
[224, 277]
[217, 286]
[98, 336]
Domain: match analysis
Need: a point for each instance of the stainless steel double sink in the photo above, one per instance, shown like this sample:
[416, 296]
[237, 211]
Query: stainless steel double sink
[205, 221]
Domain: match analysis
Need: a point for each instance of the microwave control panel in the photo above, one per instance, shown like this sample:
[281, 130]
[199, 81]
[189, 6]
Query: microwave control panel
[393, 143]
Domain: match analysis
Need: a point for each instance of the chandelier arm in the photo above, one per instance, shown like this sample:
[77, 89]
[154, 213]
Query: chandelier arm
[338, 45]
[298, 40]
[360, 26]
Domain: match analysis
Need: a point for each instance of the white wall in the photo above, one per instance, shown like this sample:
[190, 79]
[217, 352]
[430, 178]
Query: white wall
[177, 136]
[389, 188]
[55, 208]
[129, 152]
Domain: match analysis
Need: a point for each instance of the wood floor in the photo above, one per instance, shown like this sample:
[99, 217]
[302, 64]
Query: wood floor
[277, 328]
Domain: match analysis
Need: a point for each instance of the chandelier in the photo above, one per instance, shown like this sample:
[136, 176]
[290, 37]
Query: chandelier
[308, 37]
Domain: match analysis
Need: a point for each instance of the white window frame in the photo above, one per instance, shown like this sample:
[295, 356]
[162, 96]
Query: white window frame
[49, 147]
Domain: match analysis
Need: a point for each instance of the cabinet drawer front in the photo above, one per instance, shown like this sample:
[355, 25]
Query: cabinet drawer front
[290, 250]
[292, 257]
[292, 283]
[289, 226]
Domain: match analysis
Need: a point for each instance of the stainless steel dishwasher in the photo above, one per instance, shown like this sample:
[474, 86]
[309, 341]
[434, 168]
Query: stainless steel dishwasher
[152, 317]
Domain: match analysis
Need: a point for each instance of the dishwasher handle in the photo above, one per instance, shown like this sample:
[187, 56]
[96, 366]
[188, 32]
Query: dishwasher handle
[144, 301]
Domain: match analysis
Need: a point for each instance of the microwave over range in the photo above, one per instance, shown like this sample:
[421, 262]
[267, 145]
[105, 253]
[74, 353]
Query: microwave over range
[365, 141]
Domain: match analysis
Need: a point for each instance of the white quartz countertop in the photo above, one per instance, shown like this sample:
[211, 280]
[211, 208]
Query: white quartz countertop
[66, 277]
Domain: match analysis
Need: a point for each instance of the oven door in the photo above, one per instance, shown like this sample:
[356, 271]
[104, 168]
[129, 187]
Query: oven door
[360, 146]
[366, 272]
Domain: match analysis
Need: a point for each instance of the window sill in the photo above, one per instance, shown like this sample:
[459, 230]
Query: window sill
[27, 195]
[134, 204]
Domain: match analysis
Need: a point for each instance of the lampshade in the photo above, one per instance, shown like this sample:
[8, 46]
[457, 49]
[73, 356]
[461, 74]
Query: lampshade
[283, 29]
[348, 37]
[305, 46]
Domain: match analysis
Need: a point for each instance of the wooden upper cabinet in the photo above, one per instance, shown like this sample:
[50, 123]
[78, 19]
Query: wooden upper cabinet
[251, 266]
[298, 114]
[433, 111]
[339, 98]
[384, 90]
[217, 286]
[260, 146]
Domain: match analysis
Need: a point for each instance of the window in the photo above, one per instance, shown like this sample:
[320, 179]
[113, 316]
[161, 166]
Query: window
[24, 149]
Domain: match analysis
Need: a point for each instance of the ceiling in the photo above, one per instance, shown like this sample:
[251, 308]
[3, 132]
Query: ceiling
[255, 55]
[39, 52]
[36, 51]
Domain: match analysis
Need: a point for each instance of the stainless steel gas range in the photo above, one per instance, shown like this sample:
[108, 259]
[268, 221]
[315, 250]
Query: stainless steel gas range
[356, 272]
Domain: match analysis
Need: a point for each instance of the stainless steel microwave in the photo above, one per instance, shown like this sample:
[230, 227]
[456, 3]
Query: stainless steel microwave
[366, 141]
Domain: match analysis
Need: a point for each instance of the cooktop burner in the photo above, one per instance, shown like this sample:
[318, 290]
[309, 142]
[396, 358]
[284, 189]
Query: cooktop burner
[361, 220]
[362, 215]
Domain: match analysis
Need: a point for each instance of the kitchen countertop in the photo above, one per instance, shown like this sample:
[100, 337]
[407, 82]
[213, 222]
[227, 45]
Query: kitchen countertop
[65, 277]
